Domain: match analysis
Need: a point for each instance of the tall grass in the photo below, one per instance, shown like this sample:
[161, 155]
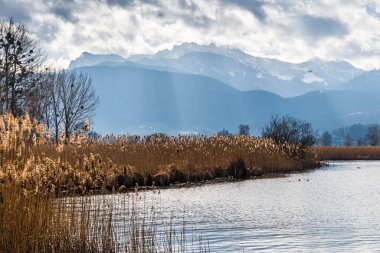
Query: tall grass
[40, 223]
[29, 157]
[347, 153]
[35, 172]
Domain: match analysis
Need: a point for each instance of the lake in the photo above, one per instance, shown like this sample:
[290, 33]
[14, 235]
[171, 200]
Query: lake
[335, 208]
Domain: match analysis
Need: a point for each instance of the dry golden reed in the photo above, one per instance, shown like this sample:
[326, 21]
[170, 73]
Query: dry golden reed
[30, 157]
[347, 153]
[41, 223]
[34, 170]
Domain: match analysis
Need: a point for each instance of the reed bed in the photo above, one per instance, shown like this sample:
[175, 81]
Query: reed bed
[30, 157]
[38, 173]
[41, 223]
[347, 153]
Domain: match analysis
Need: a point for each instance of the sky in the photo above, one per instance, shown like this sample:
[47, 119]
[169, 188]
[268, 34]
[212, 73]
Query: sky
[289, 30]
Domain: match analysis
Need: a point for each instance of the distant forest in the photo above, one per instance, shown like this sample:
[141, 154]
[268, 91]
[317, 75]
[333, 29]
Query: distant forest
[354, 135]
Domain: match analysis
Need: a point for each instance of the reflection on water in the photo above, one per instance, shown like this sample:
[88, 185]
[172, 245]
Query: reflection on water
[332, 209]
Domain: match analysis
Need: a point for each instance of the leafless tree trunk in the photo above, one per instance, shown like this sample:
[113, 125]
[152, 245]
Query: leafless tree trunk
[72, 99]
[78, 99]
[61, 100]
[52, 108]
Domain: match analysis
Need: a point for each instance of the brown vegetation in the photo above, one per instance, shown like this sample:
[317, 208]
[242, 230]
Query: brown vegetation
[347, 153]
[40, 223]
[33, 170]
[36, 223]
[29, 157]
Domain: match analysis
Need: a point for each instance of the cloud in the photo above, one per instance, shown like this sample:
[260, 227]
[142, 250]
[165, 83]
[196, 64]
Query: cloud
[47, 33]
[320, 27]
[14, 9]
[254, 6]
[64, 12]
[287, 30]
[188, 4]
[129, 3]
[371, 10]
[63, 9]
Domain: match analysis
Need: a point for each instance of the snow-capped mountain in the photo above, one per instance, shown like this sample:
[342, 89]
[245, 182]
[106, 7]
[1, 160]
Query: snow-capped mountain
[138, 100]
[87, 59]
[369, 81]
[203, 89]
[239, 69]
[246, 72]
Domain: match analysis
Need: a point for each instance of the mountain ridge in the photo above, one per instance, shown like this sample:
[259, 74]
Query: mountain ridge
[246, 72]
[144, 101]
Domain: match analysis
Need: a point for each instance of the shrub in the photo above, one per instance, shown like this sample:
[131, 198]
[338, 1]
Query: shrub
[287, 129]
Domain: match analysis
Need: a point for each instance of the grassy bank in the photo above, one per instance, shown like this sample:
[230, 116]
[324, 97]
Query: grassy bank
[347, 153]
[30, 158]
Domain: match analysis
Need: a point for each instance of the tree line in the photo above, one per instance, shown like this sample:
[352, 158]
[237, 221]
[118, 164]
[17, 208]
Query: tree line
[283, 129]
[359, 135]
[61, 100]
[288, 129]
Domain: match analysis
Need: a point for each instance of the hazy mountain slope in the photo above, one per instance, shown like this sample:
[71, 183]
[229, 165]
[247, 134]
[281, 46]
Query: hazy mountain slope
[231, 71]
[139, 100]
[88, 59]
[246, 72]
[135, 98]
[369, 81]
[238, 69]
[332, 109]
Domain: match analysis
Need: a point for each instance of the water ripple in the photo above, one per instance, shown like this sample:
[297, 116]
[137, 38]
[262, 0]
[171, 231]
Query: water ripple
[336, 209]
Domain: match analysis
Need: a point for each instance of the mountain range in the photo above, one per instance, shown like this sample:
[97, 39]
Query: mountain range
[202, 89]
[240, 70]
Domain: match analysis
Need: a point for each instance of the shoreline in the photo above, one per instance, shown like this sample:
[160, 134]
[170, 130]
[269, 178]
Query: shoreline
[191, 184]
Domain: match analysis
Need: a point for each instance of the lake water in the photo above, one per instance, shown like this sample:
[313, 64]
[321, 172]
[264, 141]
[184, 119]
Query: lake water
[333, 209]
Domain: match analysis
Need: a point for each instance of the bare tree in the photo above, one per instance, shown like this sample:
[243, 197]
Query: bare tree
[372, 135]
[70, 100]
[325, 139]
[348, 141]
[62, 100]
[361, 142]
[77, 100]
[20, 61]
[290, 130]
[224, 132]
[38, 99]
[53, 108]
[243, 129]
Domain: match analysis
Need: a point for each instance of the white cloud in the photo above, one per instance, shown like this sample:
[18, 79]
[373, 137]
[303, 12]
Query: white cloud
[288, 30]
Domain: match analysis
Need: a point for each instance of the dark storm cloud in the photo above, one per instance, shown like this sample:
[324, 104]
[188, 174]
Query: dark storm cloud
[254, 6]
[12, 9]
[320, 27]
